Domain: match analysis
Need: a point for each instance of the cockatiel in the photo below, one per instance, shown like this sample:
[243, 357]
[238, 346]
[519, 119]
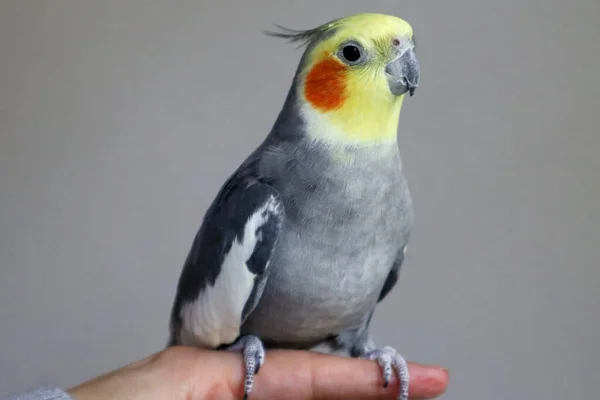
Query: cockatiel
[308, 235]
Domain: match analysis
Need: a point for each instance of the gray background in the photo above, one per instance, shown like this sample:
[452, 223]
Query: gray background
[120, 119]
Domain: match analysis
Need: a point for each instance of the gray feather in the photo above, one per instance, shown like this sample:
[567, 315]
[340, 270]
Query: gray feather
[340, 245]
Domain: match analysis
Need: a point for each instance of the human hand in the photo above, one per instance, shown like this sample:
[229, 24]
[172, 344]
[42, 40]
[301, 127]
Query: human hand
[185, 373]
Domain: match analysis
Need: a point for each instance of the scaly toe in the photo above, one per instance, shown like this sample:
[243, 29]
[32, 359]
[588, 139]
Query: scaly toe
[389, 360]
[254, 357]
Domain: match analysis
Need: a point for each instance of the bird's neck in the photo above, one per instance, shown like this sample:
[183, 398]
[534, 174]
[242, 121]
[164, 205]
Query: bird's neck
[360, 123]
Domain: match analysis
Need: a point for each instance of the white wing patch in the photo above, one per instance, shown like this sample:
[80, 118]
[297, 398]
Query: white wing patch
[214, 318]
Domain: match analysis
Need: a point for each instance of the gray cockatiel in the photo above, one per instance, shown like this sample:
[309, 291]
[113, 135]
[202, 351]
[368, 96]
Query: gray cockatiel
[309, 233]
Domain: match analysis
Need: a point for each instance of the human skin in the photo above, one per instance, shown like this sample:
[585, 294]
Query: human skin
[187, 373]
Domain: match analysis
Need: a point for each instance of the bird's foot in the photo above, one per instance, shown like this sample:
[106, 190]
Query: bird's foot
[254, 357]
[390, 361]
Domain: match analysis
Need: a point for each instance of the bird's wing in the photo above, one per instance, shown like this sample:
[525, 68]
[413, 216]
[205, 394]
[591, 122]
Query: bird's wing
[224, 273]
[392, 277]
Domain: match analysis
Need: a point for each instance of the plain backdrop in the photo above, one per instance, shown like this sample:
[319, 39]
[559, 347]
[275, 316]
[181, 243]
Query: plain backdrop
[119, 121]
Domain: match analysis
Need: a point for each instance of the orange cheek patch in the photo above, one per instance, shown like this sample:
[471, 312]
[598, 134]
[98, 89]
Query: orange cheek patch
[325, 85]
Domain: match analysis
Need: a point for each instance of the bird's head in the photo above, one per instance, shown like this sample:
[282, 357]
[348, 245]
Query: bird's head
[354, 75]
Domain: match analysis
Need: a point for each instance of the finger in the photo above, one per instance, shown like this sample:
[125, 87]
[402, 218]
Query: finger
[303, 375]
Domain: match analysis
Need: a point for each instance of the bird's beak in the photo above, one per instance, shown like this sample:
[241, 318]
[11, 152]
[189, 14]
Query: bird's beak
[403, 73]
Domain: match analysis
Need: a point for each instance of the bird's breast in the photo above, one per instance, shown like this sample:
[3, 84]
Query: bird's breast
[338, 244]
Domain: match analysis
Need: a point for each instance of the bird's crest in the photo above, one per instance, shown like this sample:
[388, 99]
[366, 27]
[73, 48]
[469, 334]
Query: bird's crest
[303, 37]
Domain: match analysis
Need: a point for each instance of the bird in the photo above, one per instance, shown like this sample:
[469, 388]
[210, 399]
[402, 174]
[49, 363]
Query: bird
[308, 234]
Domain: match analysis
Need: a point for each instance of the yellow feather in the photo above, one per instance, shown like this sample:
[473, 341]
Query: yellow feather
[370, 112]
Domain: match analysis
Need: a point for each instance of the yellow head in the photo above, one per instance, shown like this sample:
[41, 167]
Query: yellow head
[353, 77]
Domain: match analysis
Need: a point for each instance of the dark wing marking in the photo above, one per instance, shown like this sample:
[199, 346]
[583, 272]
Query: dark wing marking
[392, 277]
[224, 273]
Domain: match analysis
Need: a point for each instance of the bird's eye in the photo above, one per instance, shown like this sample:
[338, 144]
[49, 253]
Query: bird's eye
[351, 53]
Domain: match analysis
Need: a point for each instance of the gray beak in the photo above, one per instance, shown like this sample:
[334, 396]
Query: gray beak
[403, 73]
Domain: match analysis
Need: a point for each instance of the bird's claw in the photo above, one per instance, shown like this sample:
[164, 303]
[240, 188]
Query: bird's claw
[254, 357]
[390, 361]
